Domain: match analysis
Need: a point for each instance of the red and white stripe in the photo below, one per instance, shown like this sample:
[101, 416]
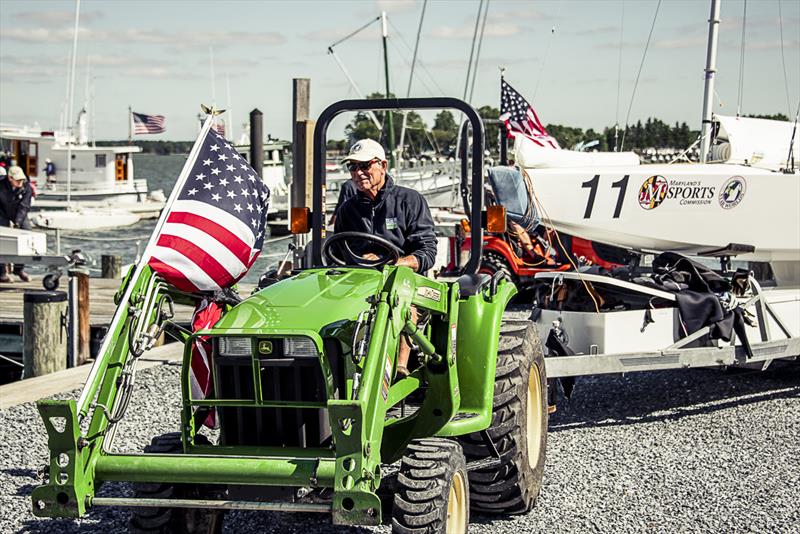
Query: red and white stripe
[203, 248]
[205, 316]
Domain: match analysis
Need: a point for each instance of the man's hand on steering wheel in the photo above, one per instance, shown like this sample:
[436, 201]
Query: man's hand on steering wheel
[388, 251]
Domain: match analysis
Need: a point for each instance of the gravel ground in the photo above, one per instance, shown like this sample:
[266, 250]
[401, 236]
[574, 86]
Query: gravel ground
[679, 451]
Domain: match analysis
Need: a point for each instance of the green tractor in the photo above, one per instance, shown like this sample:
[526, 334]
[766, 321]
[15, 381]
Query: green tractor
[311, 415]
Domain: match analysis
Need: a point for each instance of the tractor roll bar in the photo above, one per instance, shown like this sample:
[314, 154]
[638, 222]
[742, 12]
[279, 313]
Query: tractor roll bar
[320, 136]
[463, 186]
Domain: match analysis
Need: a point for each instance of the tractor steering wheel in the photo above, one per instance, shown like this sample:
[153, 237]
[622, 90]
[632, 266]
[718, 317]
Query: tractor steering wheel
[390, 252]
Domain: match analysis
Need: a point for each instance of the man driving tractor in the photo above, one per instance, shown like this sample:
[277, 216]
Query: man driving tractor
[382, 208]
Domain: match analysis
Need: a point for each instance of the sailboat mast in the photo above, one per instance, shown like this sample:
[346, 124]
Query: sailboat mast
[389, 122]
[71, 97]
[711, 71]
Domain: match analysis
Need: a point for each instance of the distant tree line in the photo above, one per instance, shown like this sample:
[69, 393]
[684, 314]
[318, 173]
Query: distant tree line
[441, 138]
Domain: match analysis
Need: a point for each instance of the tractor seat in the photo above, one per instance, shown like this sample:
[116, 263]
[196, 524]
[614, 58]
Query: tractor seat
[470, 284]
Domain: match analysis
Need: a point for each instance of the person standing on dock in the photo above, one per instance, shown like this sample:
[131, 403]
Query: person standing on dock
[50, 171]
[15, 202]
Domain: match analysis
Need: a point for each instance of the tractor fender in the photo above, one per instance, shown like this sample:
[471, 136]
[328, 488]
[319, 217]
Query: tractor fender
[477, 339]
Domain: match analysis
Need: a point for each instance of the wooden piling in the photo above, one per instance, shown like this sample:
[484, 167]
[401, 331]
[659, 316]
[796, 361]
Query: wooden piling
[44, 338]
[257, 141]
[111, 265]
[302, 144]
[84, 334]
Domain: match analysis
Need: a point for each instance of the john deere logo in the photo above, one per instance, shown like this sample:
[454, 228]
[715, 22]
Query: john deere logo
[265, 346]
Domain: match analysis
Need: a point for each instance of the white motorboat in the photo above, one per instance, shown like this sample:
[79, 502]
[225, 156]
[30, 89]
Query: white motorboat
[102, 176]
[745, 196]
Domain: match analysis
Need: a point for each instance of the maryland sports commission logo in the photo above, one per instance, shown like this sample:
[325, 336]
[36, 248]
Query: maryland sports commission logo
[685, 192]
[653, 192]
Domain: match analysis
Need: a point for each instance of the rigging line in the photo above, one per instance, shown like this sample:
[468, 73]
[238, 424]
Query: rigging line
[546, 54]
[619, 77]
[466, 87]
[411, 76]
[472, 50]
[790, 156]
[567, 253]
[416, 48]
[348, 36]
[783, 60]
[420, 63]
[638, 74]
[354, 86]
[478, 54]
[741, 63]
[544, 62]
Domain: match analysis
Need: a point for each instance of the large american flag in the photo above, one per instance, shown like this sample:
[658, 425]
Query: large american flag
[148, 124]
[520, 118]
[215, 226]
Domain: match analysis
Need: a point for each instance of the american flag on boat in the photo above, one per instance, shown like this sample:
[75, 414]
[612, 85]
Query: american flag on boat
[214, 228]
[148, 124]
[520, 118]
[220, 128]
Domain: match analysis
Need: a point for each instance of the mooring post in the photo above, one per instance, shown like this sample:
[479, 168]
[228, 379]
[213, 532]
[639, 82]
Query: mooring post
[44, 334]
[301, 193]
[111, 266]
[257, 141]
[80, 344]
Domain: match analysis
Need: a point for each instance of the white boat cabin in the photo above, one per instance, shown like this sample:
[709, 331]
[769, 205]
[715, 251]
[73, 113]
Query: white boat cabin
[101, 173]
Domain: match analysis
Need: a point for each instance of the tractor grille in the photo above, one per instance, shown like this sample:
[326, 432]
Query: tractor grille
[283, 379]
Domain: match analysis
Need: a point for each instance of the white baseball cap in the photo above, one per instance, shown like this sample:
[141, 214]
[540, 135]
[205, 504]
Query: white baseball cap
[365, 150]
[17, 173]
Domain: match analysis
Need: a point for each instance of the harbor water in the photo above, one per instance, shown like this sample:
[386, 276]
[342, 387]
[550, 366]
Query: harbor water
[161, 172]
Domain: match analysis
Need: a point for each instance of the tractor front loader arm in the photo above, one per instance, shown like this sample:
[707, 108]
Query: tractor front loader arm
[75, 446]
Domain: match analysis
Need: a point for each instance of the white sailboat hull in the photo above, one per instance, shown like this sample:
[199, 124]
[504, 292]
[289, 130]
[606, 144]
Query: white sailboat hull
[689, 208]
[82, 219]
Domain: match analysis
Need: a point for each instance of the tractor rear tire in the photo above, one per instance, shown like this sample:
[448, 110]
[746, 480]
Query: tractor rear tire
[432, 489]
[177, 520]
[518, 429]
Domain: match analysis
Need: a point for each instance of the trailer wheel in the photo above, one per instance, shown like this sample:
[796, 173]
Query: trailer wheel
[432, 489]
[177, 520]
[50, 281]
[518, 429]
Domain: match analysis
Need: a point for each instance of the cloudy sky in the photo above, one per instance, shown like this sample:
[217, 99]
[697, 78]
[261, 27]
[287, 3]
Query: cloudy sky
[564, 57]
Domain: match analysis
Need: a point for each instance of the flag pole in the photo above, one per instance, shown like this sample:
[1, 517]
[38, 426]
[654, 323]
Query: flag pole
[83, 401]
[503, 133]
[130, 126]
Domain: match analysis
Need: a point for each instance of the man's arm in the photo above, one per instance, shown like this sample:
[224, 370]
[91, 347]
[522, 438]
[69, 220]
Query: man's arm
[420, 235]
[24, 206]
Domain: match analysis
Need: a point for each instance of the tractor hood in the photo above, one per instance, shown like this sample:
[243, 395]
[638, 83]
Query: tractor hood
[307, 301]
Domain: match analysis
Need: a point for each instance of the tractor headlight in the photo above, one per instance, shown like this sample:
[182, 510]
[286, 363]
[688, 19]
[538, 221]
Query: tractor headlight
[235, 346]
[300, 347]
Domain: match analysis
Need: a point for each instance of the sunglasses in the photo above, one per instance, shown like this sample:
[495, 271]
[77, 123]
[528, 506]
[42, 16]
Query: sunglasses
[360, 166]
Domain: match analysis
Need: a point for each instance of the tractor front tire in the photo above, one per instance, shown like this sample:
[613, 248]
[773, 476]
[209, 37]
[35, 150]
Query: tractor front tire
[518, 429]
[175, 520]
[432, 489]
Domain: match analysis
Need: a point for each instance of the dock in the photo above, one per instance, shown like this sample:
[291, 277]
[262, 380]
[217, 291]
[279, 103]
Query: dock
[39, 387]
[101, 311]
